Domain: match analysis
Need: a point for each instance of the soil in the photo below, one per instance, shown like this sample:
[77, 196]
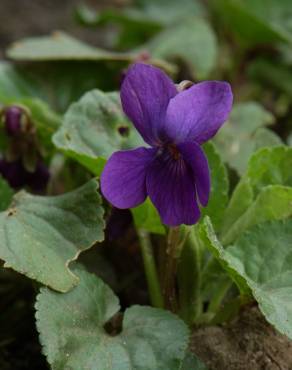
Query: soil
[247, 343]
[19, 345]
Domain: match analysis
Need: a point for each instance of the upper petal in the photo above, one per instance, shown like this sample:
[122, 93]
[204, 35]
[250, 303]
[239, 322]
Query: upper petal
[145, 94]
[198, 112]
[195, 157]
[123, 178]
[171, 187]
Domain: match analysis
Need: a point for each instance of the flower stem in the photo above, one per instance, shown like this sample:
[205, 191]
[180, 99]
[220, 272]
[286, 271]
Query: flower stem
[150, 269]
[169, 279]
[218, 298]
[189, 279]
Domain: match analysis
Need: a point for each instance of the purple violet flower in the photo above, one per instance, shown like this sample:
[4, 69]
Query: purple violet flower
[174, 171]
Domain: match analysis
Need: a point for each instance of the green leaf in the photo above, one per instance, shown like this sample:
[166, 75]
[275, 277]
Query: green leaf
[239, 137]
[90, 132]
[262, 257]
[40, 235]
[272, 74]
[268, 166]
[264, 137]
[210, 240]
[242, 198]
[134, 27]
[6, 194]
[219, 186]
[59, 46]
[256, 21]
[147, 218]
[13, 84]
[165, 12]
[71, 328]
[274, 202]
[57, 83]
[143, 13]
[192, 41]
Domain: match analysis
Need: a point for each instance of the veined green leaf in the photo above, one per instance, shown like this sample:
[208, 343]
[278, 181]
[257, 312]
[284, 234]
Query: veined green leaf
[71, 328]
[94, 128]
[41, 235]
[261, 260]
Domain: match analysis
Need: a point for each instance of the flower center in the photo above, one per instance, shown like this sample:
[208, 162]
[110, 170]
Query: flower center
[174, 152]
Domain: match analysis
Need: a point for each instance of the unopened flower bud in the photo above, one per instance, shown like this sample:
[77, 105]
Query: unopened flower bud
[12, 120]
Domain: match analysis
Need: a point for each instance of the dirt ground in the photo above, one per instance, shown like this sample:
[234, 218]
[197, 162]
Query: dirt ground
[248, 343]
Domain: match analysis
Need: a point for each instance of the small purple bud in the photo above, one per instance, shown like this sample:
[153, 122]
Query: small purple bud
[12, 120]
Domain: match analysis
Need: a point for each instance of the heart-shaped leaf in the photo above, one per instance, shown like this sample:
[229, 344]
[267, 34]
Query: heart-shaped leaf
[261, 259]
[40, 235]
[94, 128]
[71, 328]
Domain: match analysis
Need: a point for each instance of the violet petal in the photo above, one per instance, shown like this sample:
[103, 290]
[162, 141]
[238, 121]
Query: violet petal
[145, 94]
[198, 112]
[123, 178]
[171, 187]
[195, 157]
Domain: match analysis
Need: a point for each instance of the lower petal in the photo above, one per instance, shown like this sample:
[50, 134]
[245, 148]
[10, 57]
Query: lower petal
[123, 178]
[195, 157]
[170, 186]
